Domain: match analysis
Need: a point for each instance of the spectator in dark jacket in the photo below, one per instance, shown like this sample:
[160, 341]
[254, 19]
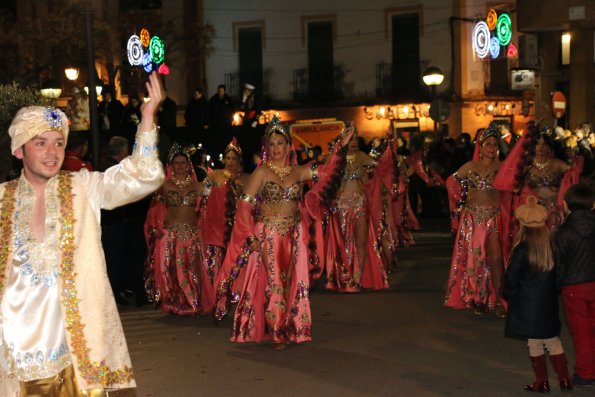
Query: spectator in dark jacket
[110, 113]
[221, 108]
[530, 289]
[196, 116]
[166, 118]
[114, 235]
[574, 247]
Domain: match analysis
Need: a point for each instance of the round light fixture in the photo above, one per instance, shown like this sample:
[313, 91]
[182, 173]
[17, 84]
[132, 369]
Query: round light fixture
[71, 73]
[494, 47]
[134, 50]
[492, 19]
[504, 29]
[433, 76]
[481, 39]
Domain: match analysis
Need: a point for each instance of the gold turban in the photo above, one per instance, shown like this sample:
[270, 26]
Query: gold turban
[32, 121]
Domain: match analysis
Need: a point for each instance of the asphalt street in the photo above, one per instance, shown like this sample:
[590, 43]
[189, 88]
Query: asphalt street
[398, 342]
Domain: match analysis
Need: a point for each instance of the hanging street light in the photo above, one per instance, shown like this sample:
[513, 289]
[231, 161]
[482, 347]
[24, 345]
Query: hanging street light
[433, 76]
[51, 89]
[71, 73]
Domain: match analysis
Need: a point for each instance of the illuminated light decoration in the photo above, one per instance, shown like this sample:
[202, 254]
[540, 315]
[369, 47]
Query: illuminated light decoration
[504, 29]
[145, 37]
[494, 47]
[480, 109]
[481, 39]
[237, 118]
[492, 19]
[512, 51]
[163, 69]
[147, 62]
[157, 49]
[98, 89]
[71, 73]
[391, 112]
[134, 49]
[51, 89]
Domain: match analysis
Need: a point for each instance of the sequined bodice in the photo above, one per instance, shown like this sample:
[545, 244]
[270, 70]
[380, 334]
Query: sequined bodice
[272, 192]
[353, 174]
[479, 182]
[176, 199]
[548, 180]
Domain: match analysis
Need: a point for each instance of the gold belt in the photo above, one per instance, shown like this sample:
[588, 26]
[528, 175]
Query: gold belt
[281, 223]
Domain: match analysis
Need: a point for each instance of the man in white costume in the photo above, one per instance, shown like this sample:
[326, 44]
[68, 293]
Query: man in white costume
[60, 333]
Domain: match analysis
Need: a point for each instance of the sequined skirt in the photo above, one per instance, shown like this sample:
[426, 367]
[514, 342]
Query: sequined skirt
[274, 302]
[470, 279]
[347, 269]
[177, 272]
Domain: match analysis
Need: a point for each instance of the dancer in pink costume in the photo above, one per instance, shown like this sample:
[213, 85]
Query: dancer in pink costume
[269, 244]
[174, 275]
[476, 269]
[223, 189]
[352, 247]
[532, 169]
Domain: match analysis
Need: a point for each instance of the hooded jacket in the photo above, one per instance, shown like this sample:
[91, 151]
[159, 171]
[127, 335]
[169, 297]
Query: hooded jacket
[574, 249]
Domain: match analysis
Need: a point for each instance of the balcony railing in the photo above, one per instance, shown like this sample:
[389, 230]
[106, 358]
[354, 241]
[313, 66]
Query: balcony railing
[232, 84]
[303, 89]
[384, 79]
[394, 84]
[300, 84]
[234, 89]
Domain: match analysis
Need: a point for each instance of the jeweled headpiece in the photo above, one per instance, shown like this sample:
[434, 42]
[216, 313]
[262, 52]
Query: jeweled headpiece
[492, 131]
[177, 149]
[32, 121]
[545, 129]
[233, 146]
[275, 126]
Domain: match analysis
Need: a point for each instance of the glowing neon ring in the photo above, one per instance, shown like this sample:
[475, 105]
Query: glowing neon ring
[481, 39]
[512, 51]
[135, 51]
[494, 47]
[504, 29]
[157, 49]
[147, 62]
[492, 19]
[163, 69]
[145, 37]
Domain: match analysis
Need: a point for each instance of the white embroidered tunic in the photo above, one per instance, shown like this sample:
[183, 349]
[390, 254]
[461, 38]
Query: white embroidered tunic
[56, 304]
[34, 336]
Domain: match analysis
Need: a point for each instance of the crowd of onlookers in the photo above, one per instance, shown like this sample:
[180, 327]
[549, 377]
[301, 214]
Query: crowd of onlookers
[205, 120]
[444, 155]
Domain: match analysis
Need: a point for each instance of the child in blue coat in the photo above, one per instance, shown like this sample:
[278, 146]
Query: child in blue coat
[530, 289]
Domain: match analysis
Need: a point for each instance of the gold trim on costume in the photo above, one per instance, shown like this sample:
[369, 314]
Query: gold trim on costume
[93, 372]
[7, 211]
[250, 199]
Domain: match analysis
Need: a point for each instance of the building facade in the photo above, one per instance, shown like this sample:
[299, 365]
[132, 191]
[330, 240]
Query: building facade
[563, 34]
[365, 61]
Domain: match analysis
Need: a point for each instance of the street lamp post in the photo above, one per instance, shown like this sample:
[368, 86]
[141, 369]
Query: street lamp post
[433, 77]
[92, 82]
